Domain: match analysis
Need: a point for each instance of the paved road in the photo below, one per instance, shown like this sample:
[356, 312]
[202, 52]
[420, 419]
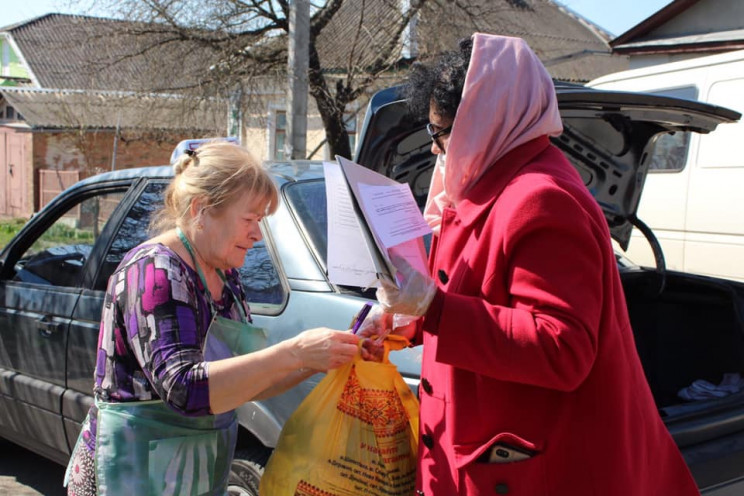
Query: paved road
[23, 473]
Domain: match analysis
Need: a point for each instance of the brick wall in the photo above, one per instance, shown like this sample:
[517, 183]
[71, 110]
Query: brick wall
[90, 152]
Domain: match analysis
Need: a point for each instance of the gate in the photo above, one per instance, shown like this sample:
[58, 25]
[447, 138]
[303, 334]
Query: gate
[13, 173]
[52, 182]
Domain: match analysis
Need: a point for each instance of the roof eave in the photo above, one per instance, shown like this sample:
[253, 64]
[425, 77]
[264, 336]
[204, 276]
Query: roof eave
[681, 48]
[654, 21]
[18, 24]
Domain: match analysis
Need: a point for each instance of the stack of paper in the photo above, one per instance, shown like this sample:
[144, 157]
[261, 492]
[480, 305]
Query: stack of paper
[370, 218]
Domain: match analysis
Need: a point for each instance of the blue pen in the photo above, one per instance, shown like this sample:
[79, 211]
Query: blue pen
[361, 316]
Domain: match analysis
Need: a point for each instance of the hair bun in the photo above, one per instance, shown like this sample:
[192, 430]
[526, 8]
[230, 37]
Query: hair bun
[183, 162]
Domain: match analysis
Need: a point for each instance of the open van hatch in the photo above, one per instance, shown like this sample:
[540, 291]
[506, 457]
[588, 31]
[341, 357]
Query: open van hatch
[608, 136]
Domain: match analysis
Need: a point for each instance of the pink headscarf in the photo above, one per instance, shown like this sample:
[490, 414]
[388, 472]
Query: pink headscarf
[508, 99]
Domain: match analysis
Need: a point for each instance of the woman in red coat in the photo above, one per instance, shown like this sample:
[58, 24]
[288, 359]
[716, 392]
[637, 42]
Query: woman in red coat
[530, 384]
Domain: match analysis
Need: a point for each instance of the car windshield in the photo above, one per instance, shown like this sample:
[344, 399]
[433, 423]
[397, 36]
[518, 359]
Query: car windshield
[307, 201]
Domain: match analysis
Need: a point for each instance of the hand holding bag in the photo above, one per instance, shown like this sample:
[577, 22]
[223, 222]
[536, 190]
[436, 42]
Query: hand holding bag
[355, 433]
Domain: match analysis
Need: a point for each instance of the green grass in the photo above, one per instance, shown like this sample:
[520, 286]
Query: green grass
[9, 228]
[59, 234]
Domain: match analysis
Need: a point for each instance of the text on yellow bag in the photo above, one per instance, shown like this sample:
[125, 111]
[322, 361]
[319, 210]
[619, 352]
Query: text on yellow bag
[356, 433]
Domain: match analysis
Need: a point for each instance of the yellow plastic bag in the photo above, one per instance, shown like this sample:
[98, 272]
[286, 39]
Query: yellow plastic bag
[356, 433]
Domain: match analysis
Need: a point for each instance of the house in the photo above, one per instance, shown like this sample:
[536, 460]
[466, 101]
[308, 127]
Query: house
[683, 29]
[571, 47]
[71, 107]
[81, 94]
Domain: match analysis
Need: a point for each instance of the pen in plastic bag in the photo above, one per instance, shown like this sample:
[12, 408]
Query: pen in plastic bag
[361, 316]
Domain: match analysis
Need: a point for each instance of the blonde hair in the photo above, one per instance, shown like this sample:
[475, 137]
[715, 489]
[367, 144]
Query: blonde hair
[218, 172]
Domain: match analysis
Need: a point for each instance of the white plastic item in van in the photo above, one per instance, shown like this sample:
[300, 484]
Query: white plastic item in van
[693, 198]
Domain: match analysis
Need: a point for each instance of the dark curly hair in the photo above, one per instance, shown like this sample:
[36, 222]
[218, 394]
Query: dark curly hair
[440, 83]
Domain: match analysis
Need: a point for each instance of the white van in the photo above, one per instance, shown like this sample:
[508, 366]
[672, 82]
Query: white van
[693, 198]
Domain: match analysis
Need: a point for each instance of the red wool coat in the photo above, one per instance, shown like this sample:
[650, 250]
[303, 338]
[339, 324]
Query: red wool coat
[527, 342]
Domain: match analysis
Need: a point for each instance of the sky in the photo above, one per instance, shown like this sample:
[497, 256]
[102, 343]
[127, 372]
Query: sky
[614, 17]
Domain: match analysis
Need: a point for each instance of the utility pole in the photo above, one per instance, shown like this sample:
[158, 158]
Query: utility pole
[116, 141]
[299, 40]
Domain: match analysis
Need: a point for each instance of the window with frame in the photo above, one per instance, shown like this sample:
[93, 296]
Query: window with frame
[350, 123]
[715, 148]
[280, 134]
[59, 254]
[8, 112]
[307, 200]
[133, 230]
[670, 149]
[260, 278]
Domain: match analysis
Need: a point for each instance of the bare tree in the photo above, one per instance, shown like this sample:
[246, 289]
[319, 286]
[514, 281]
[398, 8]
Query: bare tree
[225, 48]
[228, 49]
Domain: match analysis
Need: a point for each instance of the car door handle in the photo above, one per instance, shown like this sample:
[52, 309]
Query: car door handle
[46, 328]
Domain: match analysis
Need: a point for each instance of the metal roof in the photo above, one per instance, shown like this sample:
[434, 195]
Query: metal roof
[81, 52]
[571, 47]
[108, 109]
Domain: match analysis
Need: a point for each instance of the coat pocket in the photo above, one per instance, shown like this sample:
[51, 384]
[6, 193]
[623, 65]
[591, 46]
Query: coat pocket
[477, 475]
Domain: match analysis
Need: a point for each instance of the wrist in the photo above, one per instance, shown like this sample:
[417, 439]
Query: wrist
[293, 351]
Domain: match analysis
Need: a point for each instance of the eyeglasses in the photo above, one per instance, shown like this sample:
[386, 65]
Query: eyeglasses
[435, 135]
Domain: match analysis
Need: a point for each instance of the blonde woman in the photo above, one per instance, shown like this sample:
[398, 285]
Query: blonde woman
[177, 351]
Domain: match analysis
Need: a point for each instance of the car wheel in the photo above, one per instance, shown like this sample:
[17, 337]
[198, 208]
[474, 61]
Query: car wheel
[246, 471]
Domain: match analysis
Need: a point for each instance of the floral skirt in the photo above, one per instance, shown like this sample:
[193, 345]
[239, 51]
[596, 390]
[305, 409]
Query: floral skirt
[82, 480]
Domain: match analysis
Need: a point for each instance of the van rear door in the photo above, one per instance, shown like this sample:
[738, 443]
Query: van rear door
[608, 136]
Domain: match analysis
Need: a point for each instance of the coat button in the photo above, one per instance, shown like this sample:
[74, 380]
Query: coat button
[443, 278]
[427, 386]
[502, 488]
[427, 440]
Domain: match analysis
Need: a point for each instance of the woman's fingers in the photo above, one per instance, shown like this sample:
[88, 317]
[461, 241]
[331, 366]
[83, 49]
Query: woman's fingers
[323, 348]
[372, 350]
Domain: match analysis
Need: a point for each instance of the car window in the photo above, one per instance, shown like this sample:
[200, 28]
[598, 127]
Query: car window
[715, 148]
[670, 150]
[259, 275]
[260, 278]
[58, 256]
[307, 200]
[132, 231]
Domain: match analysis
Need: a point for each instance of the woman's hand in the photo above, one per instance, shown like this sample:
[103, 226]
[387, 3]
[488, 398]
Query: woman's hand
[323, 348]
[414, 295]
[272, 370]
[379, 324]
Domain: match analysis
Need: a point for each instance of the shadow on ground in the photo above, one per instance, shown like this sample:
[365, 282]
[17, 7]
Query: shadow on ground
[24, 473]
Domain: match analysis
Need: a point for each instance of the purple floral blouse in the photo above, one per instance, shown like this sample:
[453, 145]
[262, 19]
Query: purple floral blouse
[153, 326]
